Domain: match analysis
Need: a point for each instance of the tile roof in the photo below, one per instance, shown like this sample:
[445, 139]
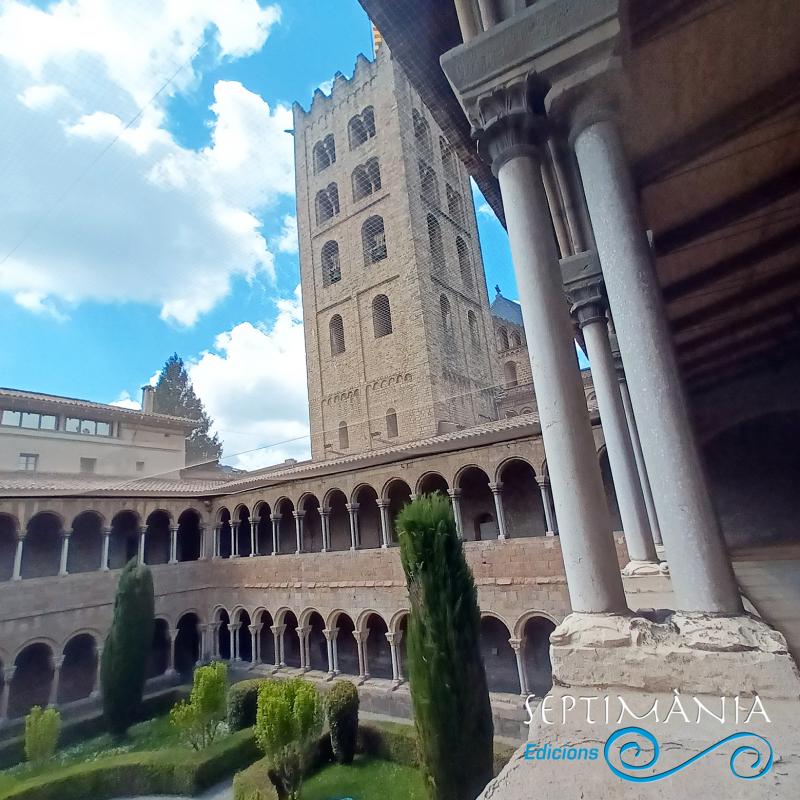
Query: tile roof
[506, 309]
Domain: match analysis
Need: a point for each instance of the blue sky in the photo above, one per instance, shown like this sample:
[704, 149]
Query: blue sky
[110, 224]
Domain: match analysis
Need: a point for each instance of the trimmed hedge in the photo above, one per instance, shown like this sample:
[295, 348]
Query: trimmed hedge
[342, 710]
[171, 771]
[242, 701]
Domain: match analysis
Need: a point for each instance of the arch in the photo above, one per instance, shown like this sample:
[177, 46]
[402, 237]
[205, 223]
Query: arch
[535, 636]
[312, 523]
[158, 659]
[336, 327]
[266, 639]
[611, 492]
[448, 159]
[373, 240]
[324, 153]
[502, 339]
[291, 641]
[157, 540]
[244, 639]
[8, 546]
[478, 514]
[263, 513]
[225, 534]
[446, 314]
[79, 669]
[361, 127]
[474, 333]
[41, 555]
[398, 493]
[86, 542]
[344, 436]
[516, 339]
[33, 678]
[397, 620]
[523, 506]
[189, 537]
[366, 179]
[187, 643]
[391, 424]
[243, 532]
[464, 264]
[223, 643]
[326, 203]
[378, 652]
[346, 648]
[510, 374]
[422, 135]
[287, 540]
[499, 659]
[436, 245]
[369, 516]
[455, 205]
[317, 645]
[331, 266]
[428, 185]
[432, 482]
[338, 520]
[381, 316]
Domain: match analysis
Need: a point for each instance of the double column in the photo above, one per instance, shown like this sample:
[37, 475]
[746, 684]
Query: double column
[551, 525]
[299, 516]
[455, 500]
[62, 567]
[394, 640]
[386, 523]
[5, 691]
[276, 534]
[331, 635]
[361, 646]
[355, 533]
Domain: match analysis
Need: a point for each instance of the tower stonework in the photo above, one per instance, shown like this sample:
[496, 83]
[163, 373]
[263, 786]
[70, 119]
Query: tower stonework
[397, 327]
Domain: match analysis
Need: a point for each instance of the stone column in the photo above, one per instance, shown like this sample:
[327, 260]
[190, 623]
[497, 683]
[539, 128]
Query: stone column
[173, 638]
[95, 693]
[254, 535]
[361, 647]
[352, 509]
[234, 526]
[62, 567]
[497, 493]
[330, 639]
[58, 662]
[142, 543]
[585, 290]
[215, 543]
[105, 549]
[547, 504]
[233, 630]
[302, 637]
[276, 533]
[298, 530]
[214, 630]
[386, 537]
[277, 633]
[254, 629]
[173, 545]
[517, 647]
[455, 499]
[203, 529]
[394, 641]
[325, 520]
[8, 676]
[702, 576]
[17, 572]
[203, 631]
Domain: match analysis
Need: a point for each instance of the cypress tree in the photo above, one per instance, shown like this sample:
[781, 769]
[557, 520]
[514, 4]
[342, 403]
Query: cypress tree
[127, 648]
[449, 692]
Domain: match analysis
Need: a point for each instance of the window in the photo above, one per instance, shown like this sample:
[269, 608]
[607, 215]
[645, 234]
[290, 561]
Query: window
[361, 127]
[337, 335]
[516, 339]
[140, 466]
[435, 243]
[455, 207]
[448, 160]
[422, 135]
[366, 179]
[89, 427]
[510, 373]
[464, 264]
[324, 153]
[48, 422]
[502, 339]
[344, 436]
[103, 429]
[391, 423]
[474, 335]
[373, 239]
[327, 203]
[28, 462]
[11, 418]
[447, 317]
[88, 465]
[331, 269]
[381, 316]
[29, 419]
[428, 187]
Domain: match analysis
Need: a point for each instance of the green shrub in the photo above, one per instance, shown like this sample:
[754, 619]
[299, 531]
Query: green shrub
[198, 718]
[129, 641]
[42, 727]
[389, 741]
[342, 709]
[254, 783]
[242, 703]
[449, 693]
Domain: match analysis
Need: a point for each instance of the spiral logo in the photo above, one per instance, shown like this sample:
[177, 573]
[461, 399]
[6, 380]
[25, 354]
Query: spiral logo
[635, 750]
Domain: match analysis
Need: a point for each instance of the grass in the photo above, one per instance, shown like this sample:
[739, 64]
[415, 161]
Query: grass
[365, 779]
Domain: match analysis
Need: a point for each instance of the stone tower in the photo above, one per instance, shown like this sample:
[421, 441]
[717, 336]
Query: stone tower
[397, 326]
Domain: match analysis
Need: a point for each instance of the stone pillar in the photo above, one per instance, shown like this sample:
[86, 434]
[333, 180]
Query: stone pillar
[233, 631]
[455, 499]
[386, 536]
[330, 639]
[361, 646]
[394, 641]
[95, 693]
[276, 533]
[202, 630]
[173, 638]
[298, 530]
[352, 509]
[585, 291]
[203, 529]
[497, 493]
[8, 676]
[215, 542]
[302, 636]
[277, 633]
[702, 576]
[62, 567]
[325, 520]
[173, 545]
[142, 543]
[547, 504]
[254, 535]
[254, 630]
[17, 572]
[517, 647]
[214, 630]
[234, 526]
[105, 549]
[58, 662]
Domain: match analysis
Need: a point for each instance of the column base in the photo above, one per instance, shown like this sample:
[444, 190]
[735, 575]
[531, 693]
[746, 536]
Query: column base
[661, 552]
[634, 568]
[665, 650]
[330, 676]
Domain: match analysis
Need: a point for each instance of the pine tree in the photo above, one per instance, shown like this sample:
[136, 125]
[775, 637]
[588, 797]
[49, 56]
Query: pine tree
[449, 692]
[127, 648]
[175, 396]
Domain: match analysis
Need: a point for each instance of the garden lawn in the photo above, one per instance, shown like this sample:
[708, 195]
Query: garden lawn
[365, 779]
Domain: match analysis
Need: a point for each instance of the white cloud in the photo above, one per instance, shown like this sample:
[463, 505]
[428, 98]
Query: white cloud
[100, 202]
[286, 242]
[326, 86]
[485, 209]
[126, 401]
[253, 385]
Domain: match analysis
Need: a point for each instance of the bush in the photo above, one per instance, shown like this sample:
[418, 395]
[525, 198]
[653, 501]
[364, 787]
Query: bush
[41, 734]
[175, 771]
[449, 693]
[342, 709]
[242, 702]
[124, 663]
[198, 718]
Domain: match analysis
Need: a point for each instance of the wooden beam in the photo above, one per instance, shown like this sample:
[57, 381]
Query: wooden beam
[707, 381]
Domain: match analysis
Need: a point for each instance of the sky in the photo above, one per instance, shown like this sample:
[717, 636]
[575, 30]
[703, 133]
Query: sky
[147, 196]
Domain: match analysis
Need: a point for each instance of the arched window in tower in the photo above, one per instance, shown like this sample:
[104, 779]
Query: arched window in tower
[464, 264]
[448, 160]
[510, 374]
[381, 316]
[373, 240]
[447, 316]
[344, 436]
[337, 335]
[327, 203]
[391, 423]
[436, 245]
[455, 207]
[324, 153]
[428, 187]
[368, 117]
[474, 334]
[361, 127]
[331, 269]
[422, 135]
[516, 339]
[502, 339]
[366, 179]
